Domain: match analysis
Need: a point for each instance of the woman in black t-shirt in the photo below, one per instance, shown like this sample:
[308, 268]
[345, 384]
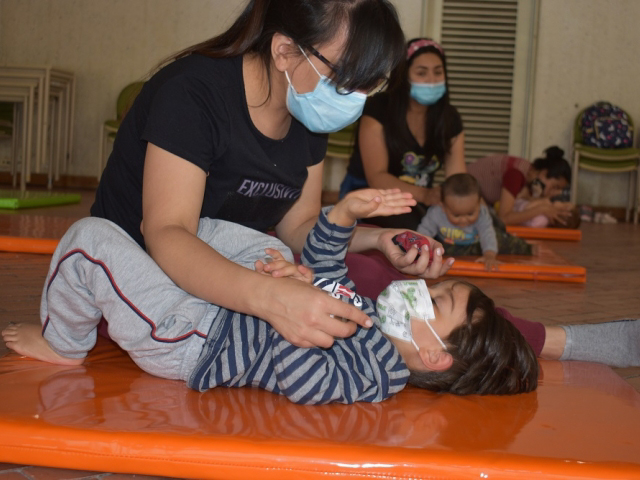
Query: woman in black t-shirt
[233, 128]
[408, 133]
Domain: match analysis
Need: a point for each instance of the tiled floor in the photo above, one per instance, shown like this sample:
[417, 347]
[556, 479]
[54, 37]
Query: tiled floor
[611, 254]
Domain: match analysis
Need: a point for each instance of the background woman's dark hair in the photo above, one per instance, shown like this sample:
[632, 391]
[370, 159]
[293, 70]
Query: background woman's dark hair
[374, 46]
[490, 355]
[554, 163]
[440, 120]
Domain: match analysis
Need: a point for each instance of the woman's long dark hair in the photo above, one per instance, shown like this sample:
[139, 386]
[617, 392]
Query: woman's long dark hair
[440, 118]
[374, 46]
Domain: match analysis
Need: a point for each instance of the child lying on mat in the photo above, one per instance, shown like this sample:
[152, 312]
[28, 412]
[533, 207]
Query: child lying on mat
[463, 224]
[447, 338]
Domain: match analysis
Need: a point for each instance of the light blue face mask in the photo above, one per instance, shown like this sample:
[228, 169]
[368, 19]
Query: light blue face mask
[428, 93]
[324, 110]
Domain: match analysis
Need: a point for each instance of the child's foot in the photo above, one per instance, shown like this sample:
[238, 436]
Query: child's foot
[26, 339]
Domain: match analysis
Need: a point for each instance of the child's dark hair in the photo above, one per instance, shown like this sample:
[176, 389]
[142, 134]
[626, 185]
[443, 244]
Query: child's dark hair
[490, 355]
[459, 185]
[374, 44]
[554, 163]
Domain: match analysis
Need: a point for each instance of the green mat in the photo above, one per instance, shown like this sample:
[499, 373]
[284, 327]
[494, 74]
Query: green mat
[14, 199]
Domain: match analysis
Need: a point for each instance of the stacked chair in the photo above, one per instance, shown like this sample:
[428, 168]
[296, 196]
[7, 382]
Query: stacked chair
[37, 112]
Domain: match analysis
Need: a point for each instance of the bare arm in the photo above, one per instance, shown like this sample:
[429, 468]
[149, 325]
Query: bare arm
[542, 206]
[298, 221]
[173, 190]
[375, 160]
[455, 161]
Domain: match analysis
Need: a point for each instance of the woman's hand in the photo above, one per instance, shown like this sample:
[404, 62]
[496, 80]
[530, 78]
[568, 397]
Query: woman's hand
[409, 263]
[278, 267]
[307, 316]
[557, 212]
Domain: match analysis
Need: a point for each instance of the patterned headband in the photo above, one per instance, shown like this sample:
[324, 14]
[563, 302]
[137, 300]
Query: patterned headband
[423, 42]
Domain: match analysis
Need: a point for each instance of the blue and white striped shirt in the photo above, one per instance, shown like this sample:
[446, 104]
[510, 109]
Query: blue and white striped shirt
[242, 350]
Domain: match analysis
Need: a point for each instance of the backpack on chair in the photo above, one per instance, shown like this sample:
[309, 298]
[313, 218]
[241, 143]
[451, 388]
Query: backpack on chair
[604, 125]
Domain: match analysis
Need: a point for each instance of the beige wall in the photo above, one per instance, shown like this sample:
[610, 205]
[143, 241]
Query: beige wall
[587, 51]
[109, 43]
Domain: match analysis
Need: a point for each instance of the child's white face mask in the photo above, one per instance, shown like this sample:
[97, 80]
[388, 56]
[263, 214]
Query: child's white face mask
[401, 301]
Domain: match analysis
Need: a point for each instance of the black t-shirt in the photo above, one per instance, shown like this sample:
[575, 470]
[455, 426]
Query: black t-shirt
[417, 164]
[196, 109]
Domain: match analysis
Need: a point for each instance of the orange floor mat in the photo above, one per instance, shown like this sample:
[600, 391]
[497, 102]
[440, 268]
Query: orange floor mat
[546, 266]
[109, 416]
[570, 234]
[32, 233]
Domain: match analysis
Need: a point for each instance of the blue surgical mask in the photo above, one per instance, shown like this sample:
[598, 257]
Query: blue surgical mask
[428, 93]
[324, 110]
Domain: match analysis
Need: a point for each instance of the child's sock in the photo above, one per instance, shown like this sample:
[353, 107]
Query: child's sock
[613, 343]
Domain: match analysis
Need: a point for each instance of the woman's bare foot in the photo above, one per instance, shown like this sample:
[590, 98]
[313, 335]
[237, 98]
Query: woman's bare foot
[26, 339]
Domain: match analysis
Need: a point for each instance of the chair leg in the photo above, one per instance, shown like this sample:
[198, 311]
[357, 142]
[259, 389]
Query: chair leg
[631, 200]
[637, 197]
[103, 136]
[25, 150]
[14, 146]
[574, 178]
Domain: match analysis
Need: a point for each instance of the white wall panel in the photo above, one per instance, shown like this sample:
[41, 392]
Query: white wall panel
[587, 51]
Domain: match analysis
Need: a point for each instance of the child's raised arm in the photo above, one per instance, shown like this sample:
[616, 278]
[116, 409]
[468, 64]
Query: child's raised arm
[370, 202]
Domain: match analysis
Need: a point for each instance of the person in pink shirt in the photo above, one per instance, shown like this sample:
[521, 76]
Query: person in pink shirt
[525, 193]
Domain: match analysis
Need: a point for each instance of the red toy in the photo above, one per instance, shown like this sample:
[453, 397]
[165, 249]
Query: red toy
[406, 240]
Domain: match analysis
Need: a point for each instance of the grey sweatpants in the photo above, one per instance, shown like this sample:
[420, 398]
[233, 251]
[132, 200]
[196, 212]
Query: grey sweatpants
[99, 270]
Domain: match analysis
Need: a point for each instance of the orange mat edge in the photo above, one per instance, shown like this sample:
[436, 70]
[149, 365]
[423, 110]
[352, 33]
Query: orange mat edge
[232, 458]
[550, 273]
[569, 234]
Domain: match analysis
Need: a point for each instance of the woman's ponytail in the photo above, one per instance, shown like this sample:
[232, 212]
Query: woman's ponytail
[554, 153]
[554, 163]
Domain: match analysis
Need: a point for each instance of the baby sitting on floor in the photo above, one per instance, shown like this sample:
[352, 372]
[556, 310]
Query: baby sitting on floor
[464, 225]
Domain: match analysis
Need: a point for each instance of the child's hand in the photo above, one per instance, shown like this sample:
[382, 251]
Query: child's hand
[414, 262]
[370, 202]
[279, 267]
[490, 261]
